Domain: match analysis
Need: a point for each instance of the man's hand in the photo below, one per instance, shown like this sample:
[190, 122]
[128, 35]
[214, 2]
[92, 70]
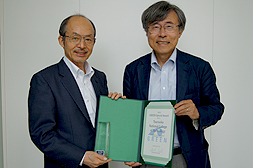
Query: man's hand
[92, 159]
[187, 107]
[116, 95]
[132, 164]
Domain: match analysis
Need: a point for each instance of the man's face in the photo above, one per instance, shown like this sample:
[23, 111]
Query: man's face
[164, 43]
[77, 53]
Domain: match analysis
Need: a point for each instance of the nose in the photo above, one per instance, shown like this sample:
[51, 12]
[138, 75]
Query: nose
[82, 43]
[162, 32]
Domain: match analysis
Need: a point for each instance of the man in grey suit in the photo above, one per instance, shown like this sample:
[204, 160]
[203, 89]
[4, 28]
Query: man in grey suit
[63, 101]
[170, 74]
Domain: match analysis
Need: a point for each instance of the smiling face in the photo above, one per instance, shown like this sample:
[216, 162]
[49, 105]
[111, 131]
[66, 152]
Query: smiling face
[77, 53]
[164, 43]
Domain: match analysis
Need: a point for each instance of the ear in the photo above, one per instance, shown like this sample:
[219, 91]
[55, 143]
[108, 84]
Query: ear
[146, 33]
[181, 32]
[60, 39]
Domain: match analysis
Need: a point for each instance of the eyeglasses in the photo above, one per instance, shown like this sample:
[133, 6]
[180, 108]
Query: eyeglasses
[169, 28]
[76, 39]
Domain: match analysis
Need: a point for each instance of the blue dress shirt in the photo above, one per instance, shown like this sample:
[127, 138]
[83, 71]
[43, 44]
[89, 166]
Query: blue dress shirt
[162, 83]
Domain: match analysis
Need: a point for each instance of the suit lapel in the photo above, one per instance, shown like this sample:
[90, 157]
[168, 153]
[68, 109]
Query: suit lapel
[144, 76]
[71, 86]
[94, 81]
[182, 75]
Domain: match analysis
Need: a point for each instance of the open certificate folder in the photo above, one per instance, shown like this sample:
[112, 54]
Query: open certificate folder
[136, 130]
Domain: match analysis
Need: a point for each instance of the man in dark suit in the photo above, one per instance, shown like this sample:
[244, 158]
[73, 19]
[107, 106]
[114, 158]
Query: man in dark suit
[63, 101]
[170, 74]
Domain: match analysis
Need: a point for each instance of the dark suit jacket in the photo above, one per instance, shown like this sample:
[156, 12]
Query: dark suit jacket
[59, 123]
[195, 81]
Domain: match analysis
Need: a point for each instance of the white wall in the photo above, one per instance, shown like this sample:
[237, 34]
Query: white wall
[1, 116]
[1, 130]
[217, 30]
[232, 60]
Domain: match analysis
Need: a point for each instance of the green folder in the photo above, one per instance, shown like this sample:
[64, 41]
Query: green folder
[120, 130]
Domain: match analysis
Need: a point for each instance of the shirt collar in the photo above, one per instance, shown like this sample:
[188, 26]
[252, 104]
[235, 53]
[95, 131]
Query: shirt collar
[156, 66]
[75, 69]
[172, 57]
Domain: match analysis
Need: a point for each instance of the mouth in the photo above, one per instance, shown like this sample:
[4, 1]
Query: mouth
[162, 42]
[81, 53]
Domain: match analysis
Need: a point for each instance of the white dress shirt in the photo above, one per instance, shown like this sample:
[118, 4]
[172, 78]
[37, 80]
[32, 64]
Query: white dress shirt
[85, 86]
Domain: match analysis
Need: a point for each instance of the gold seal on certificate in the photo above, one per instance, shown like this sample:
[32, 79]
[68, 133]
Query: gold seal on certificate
[158, 133]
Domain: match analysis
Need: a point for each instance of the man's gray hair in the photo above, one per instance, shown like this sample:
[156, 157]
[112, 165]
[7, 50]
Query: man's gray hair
[159, 11]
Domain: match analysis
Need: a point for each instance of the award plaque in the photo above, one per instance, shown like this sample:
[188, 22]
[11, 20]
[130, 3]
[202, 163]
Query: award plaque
[136, 130]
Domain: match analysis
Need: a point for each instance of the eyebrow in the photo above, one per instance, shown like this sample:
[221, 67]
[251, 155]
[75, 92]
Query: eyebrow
[83, 35]
[156, 22]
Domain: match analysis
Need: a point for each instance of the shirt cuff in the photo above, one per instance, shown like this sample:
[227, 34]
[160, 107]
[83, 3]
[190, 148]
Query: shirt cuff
[195, 123]
[81, 163]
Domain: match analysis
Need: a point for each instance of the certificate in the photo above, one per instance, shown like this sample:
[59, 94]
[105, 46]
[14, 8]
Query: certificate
[136, 130]
[158, 133]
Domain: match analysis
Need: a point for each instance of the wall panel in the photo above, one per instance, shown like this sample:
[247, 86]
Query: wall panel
[30, 41]
[231, 138]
